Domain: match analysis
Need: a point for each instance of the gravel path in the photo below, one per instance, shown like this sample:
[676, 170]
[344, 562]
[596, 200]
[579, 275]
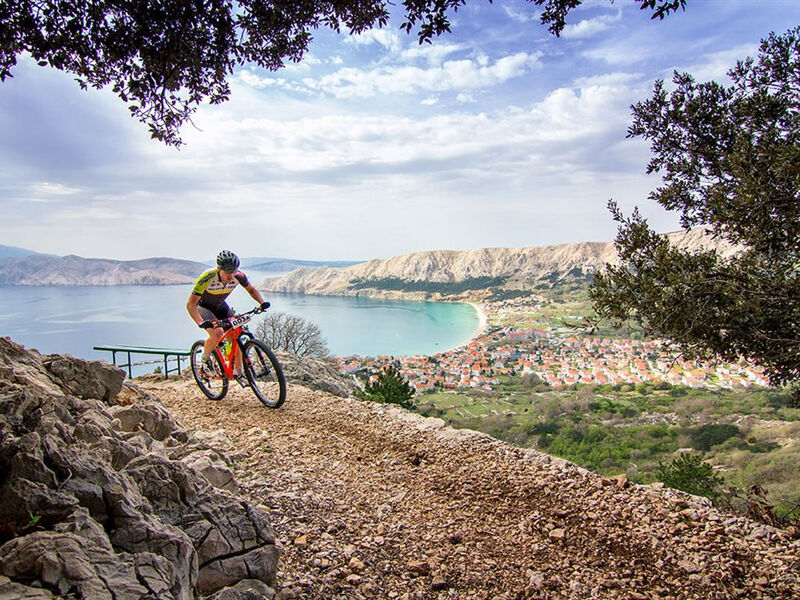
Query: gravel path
[370, 501]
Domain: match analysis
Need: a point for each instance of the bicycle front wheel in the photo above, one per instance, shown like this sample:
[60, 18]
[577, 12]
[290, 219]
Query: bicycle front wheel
[264, 373]
[214, 385]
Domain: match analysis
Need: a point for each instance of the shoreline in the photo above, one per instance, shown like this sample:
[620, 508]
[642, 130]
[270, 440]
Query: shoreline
[483, 321]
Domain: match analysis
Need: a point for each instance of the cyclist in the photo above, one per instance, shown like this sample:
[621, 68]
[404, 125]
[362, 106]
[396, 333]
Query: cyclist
[207, 303]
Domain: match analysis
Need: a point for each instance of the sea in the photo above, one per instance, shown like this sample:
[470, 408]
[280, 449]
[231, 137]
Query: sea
[73, 319]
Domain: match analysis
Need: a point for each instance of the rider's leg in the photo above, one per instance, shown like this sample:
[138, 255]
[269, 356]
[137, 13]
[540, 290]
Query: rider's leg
[214, 336]
[238, 363]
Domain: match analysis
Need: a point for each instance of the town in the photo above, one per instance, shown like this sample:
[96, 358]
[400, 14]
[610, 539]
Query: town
[557, 356]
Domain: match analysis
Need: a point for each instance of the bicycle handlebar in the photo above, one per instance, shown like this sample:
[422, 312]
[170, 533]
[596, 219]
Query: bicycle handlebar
[212, 323]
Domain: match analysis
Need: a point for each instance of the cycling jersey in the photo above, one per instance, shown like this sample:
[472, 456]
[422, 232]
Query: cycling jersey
[213, 291]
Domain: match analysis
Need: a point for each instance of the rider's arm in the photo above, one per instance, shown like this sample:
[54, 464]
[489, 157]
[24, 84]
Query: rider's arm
[191, 306]
[254, 293]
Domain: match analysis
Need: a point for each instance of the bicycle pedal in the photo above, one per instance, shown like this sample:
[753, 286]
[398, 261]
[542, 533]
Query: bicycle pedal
[242, 381]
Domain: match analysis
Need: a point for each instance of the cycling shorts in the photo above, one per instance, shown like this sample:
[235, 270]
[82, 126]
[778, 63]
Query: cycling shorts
[209, 313]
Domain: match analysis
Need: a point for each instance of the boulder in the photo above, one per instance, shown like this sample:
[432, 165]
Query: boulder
[315, 374]
[99, 500]
[66, 563]
[247, 589]
[213, 467]
[95, 379]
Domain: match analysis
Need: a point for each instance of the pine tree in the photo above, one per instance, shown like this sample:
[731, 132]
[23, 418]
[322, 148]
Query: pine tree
[390, 387]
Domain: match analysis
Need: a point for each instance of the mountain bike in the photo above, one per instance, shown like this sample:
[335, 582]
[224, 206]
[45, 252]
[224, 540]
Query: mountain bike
[262, 370]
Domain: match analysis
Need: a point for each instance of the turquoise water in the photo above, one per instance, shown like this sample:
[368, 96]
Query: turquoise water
[71, 320]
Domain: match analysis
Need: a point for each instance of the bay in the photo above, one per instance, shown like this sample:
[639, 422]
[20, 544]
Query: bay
[71, 320]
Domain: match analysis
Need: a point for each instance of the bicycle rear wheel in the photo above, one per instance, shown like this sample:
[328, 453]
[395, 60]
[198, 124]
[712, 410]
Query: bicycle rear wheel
[215, 385]
[264, 373]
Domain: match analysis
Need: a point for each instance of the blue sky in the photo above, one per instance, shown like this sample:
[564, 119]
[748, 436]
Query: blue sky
[497, 134]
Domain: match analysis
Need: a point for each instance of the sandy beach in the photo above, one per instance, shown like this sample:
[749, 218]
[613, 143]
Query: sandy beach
[483, 321]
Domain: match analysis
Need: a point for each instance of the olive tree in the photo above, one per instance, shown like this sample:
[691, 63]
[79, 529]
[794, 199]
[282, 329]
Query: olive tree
[730, 161]
[291, 333]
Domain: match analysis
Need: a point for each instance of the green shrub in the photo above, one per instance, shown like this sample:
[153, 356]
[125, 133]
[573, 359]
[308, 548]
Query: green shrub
[690, 474]
[390, 387]
[705, 437]
[447, 287]
[546, 427]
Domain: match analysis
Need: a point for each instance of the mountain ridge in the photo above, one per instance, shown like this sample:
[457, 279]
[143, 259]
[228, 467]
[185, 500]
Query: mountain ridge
[520, 268]
[76, 270]
[513, 268]
[20, 266]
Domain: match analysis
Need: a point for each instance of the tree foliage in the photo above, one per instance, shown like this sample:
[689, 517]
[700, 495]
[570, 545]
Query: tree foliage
[692, 475]
[164, 58]
[292, 334]
[730, 159]
[390, 387]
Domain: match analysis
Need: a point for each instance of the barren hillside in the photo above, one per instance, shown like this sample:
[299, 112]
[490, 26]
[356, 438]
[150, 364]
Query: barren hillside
[521, 266]
[75, 270]
[371, 501]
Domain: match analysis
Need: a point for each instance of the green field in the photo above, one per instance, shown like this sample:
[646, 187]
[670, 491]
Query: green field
[752, 437]
[566, 310]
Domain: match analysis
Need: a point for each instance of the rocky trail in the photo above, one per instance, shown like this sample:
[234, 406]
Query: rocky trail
[370, 501]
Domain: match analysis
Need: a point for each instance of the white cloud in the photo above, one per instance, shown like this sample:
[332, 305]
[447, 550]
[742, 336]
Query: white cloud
[521, 15]
[590, 27]
[465, 98]
[715, 66]
[257, 82]
[608, 80]
[384, 37]
[433, 54]
[616, 53]
[451, 75]
[569, 122]
[46, 188]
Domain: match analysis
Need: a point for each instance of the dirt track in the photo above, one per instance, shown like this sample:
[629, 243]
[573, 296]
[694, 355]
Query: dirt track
[369, 501]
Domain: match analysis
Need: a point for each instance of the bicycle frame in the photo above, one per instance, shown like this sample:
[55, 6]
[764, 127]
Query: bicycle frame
[234, 335]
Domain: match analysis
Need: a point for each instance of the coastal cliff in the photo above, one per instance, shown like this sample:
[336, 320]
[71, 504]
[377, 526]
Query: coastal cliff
[480, 269]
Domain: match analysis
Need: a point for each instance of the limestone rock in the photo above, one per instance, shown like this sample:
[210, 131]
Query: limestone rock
[95, 379]
[246, 589]
[315, 374]
[92, 505]
[213, 467]
[14, 591]
[66, 563]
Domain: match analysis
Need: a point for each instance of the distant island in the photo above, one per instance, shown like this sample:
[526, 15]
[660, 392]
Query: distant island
[39, 269]
[290, 264]
[20, 266]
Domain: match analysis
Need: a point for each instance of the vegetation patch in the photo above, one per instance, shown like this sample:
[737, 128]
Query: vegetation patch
[445, 288]
[639, 429]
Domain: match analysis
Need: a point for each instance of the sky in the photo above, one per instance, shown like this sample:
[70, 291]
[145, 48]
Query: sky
[496, 135]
